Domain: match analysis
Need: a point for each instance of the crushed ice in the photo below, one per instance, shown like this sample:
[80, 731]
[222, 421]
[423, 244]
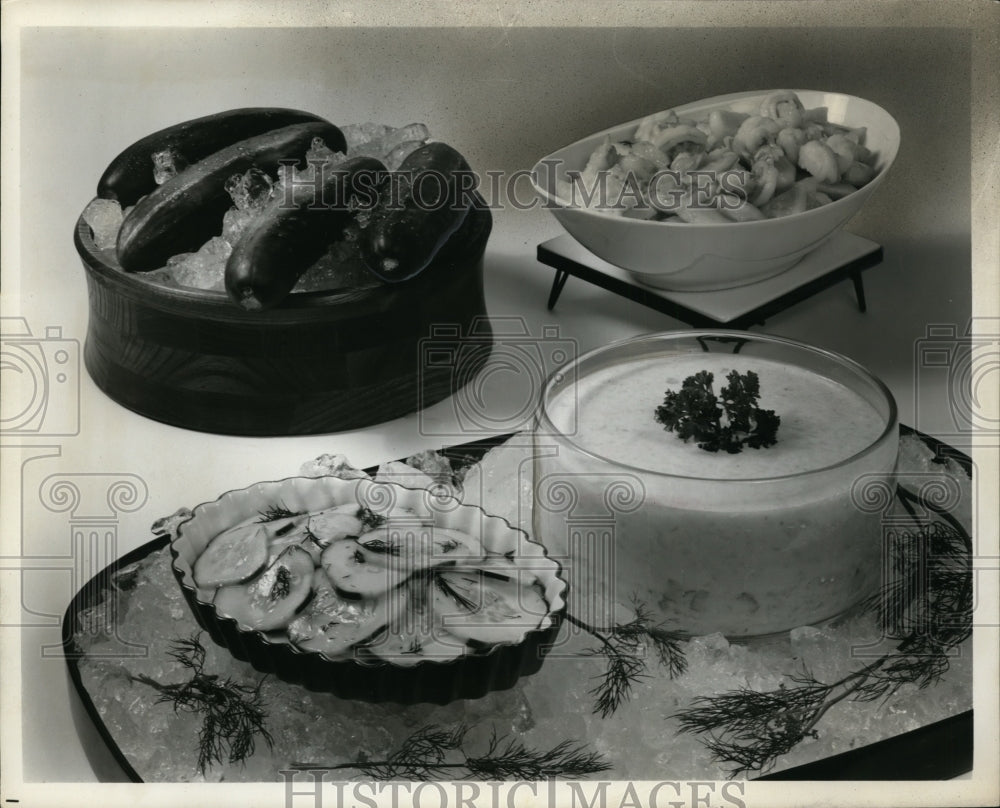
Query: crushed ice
[105, 218]
[167, 164]
[554, 705]
[339, 268]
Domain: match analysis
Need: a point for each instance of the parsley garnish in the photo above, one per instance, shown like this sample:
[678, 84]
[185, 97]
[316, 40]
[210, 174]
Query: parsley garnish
[694, 412]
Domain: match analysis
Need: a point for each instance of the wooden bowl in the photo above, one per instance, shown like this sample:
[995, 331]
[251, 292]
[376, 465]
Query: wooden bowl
[320, 362]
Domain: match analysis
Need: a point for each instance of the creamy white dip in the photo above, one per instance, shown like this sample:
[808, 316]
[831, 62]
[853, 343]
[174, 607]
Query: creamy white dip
[822, 421]
[739, 543]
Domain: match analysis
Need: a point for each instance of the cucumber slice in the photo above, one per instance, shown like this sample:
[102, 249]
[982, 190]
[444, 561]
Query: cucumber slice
[383, 558]
[412, 633]
[408, 648]
[290, 532]
[401, 513]
[331, 624]
[451, 545]
[271, 599]
[484, 609]
[234, 556]
[502, 567]
[422, 547]
[336, 523]
[361, 572]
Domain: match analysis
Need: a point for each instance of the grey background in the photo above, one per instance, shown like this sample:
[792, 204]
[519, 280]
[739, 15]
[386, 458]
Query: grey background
[504, 98]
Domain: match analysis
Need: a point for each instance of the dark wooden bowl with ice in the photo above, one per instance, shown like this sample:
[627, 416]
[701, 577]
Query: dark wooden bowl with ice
[223, 298]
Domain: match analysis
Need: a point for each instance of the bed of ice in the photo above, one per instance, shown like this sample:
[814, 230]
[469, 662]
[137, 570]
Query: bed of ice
[339, 268]
[640, 740]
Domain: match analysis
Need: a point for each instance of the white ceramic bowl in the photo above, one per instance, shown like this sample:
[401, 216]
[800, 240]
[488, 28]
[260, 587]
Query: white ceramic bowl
[698, 257]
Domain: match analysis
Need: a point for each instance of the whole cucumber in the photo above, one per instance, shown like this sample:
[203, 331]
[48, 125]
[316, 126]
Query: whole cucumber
[130, 175]
[406, 234]
[291, 234]
[187, 210]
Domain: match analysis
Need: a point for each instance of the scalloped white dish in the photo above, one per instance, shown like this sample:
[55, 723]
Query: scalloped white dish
[432, 653]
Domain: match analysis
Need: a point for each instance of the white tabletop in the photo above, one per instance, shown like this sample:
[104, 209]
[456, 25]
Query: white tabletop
[503, 99]
[169, 467]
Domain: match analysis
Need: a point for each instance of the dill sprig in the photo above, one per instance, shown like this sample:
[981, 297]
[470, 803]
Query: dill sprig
[462, 599]
[371, 520]
[422, 756]
[273, 513]
[925, 608]
[751, 729]
[433, 753]
[382, 546]
[233, 714]
[310, 536]
[625, 647]
[510, 759]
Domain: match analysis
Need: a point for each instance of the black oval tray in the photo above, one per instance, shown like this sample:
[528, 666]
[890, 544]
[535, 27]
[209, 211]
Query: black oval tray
[936, 751]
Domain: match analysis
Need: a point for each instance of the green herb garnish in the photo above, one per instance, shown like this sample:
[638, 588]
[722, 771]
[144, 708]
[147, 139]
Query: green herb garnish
[436, 753]
[272, 513]
[233, 714]
[625, 647]
[282, 584]
[371, 520]
[463, 600]
[382, 546]
[694, 412]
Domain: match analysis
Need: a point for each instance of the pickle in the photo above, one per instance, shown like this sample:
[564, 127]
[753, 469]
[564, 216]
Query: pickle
[290, 234]
[129, 176]
[407, 234]
[187, 210]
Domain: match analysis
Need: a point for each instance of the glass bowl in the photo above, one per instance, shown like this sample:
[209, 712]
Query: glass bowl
[744, 544]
